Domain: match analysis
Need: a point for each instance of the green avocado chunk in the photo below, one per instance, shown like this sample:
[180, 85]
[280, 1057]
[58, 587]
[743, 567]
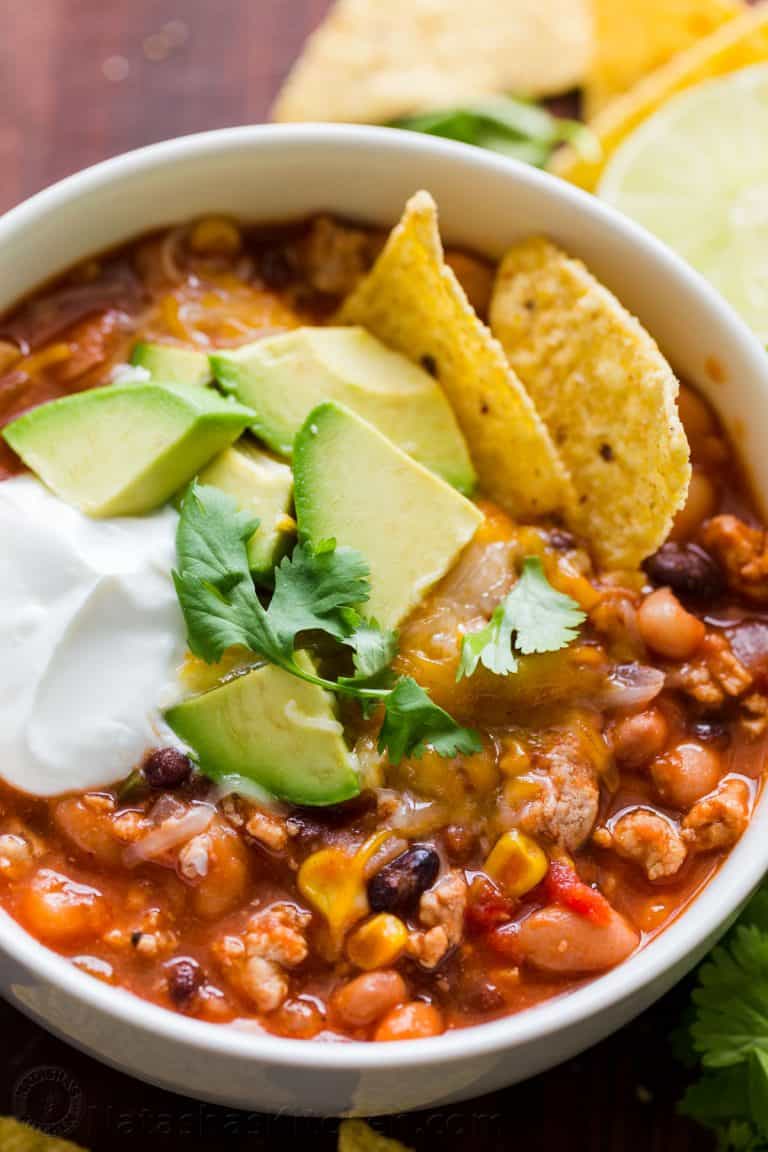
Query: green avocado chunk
[263, 487]
[125, 449]
[268, 727]
[354, 485]
[284, 377]
[169, 363]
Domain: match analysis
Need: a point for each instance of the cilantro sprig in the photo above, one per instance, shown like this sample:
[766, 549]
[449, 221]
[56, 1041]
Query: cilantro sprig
[533, 617]
[727, 1033]
[317, 590]
[509, 125]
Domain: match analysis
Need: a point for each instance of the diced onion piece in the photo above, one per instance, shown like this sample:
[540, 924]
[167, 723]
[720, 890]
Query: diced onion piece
[173, 832]
[632, 686]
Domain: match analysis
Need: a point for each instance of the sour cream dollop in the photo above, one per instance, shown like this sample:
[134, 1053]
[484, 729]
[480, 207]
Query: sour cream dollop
[91, 636]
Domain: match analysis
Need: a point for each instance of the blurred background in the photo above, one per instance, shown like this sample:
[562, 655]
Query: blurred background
[81, 80]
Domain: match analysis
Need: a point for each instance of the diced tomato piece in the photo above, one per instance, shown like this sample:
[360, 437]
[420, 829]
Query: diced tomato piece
[487, 906]
[504, 942]
[563, 886]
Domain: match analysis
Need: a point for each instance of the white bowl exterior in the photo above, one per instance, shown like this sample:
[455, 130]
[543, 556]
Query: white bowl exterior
[276, 173]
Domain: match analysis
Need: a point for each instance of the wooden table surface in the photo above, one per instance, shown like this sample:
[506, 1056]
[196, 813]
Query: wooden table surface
[81, 80]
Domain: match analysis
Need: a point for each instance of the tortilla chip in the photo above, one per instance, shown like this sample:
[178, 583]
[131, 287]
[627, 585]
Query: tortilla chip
[413, 302]
[737, 44]
[634, 37]
[357, 1136]
[604, 391]
[18, 1137]
[371, 61]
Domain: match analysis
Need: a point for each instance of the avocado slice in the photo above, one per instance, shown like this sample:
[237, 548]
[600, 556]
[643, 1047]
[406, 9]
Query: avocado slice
[268, 727]
[170, 363]
[284, 377]
[354, 485]
[125, 449]
[262, 486]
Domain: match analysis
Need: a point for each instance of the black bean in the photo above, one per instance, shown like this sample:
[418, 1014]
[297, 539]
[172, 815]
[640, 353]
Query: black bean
[687, 569]
[480, 994]
[184, 978]
[275, 268]
[711, 731]
[167, 768]
[400, 883]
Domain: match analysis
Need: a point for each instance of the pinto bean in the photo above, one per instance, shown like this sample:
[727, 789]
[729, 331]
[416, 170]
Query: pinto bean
[667, 628]
[226, 880]
[686, 773]
[555, 939]
[90, 828]
[687, 569]
[695, 414]
[699, 506]
[413, 1021]
[638, 738]
[61, 911]
[299, 1019]
[367, 998]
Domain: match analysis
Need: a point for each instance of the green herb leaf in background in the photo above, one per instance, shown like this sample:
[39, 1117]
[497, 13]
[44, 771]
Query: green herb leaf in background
[727, 1032]
[512, 126]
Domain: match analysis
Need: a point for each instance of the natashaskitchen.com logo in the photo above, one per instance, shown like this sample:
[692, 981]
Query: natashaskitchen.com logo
[47, 1097]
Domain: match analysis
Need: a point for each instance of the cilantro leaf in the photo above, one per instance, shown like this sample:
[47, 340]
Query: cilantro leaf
[373, 649]
[215, 619]
[732, 1000]
[490, 646]
[506, 124]
[540, 618]
[313, 586]
[211, 537]
[213, 580]
[412, 721]
[729, 1032]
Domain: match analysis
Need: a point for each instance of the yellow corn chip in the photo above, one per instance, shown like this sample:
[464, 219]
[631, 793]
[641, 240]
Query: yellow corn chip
[18, 1137]
[737, 44]
[634, 37]
[413, 302]
[371, 61]
[604, 391]
[357, 1136]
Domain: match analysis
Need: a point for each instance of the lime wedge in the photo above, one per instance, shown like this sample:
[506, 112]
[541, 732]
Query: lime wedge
[696, 175]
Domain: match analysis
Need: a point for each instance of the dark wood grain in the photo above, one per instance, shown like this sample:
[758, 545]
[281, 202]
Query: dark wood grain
[60, 111]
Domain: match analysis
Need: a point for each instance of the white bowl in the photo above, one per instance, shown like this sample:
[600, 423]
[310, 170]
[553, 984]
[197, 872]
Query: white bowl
[274, 173]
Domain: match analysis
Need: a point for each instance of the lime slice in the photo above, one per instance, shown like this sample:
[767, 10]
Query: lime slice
[696, 174]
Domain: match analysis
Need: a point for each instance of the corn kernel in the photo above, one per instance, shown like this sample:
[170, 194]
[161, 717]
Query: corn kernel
[215, 236]
[516, 863]
[520, 789]
[377, 943]
[333, 882]
[514, 758]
